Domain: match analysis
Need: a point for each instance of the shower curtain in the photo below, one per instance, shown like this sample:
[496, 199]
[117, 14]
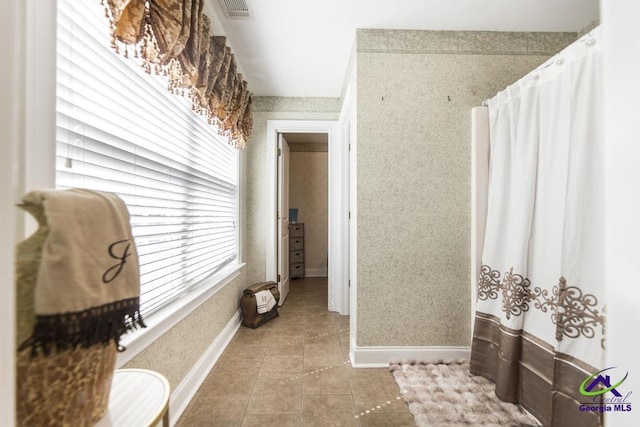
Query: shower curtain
[539, 326]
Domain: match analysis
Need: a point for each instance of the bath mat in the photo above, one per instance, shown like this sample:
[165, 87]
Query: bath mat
[445, 394]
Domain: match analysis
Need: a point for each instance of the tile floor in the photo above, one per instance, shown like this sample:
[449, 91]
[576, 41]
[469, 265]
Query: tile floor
[294, 371]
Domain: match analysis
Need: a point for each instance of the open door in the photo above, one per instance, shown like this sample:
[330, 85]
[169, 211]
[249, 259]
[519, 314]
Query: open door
[283, 218]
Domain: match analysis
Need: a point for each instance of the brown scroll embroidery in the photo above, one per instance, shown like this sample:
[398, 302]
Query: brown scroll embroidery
[573, 312]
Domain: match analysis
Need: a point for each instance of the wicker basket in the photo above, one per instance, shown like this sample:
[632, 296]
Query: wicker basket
[69, 388]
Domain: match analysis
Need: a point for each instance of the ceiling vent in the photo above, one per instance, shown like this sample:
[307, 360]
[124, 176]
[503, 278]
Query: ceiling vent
[236, 9]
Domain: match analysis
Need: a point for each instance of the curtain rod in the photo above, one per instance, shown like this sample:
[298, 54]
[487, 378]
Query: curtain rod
[589, 39]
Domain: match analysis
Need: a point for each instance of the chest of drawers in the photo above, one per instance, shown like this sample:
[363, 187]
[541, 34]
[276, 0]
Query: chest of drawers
[296, 248]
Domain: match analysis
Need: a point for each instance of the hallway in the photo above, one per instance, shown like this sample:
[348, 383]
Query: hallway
[295, 371]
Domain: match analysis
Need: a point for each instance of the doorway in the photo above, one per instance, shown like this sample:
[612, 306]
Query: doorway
[337, 264]
[309, 203]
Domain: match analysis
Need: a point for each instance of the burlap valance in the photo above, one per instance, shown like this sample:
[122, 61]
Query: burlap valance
[172, 38]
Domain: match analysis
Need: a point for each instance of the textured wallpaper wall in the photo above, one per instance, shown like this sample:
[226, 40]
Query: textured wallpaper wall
[308, 192]
[415, 91]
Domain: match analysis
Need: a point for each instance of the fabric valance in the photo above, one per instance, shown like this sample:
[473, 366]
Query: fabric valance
[172, 37]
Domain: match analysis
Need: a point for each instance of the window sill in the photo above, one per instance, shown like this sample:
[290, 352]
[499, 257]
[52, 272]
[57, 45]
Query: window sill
[159, 323]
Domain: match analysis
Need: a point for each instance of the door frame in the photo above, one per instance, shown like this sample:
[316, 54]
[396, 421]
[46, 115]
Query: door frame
[338, 295]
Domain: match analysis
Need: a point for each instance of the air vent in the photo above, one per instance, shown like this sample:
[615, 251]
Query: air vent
[236, 9]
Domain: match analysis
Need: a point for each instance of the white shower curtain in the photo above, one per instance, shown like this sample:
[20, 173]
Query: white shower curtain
[539, 329]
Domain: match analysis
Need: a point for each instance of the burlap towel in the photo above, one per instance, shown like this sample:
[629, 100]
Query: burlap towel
[88, 286]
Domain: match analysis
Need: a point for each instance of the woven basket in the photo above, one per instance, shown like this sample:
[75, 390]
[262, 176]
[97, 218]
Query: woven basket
[69, 388]
[65, 388]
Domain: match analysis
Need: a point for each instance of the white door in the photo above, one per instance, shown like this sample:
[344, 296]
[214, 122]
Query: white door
[283, 218]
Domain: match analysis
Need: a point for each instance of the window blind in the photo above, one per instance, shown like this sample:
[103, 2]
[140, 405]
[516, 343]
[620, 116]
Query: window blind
[120, 130]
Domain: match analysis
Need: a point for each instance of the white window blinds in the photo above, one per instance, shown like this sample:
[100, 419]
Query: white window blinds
[120, 130]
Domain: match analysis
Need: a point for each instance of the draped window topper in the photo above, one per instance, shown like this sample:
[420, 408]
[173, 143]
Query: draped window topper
[171, 37]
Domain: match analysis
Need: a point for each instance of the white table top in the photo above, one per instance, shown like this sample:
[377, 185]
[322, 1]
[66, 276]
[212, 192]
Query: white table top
[138, 397]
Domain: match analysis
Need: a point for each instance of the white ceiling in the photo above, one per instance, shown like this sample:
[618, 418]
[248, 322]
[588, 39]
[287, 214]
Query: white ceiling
[302, 47]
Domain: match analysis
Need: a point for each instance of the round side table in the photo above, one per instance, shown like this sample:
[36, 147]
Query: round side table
[139, 397]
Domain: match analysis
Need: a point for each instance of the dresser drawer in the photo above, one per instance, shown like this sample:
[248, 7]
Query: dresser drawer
[296, 230]
[297, 270]
[296, 256]
[296, 244]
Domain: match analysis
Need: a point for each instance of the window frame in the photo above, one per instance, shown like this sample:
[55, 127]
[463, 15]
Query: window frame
[38, 161]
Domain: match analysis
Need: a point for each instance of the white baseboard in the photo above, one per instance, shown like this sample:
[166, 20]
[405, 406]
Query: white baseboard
[188, 387]
[380, 357]
[315, 272]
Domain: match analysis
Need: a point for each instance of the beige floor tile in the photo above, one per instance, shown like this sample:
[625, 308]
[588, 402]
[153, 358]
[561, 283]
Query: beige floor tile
[324, 340]
[325, 335]
[328, 410]
[281, 367]
[326, 380]
[343, 321]
[343, 336]
[318, 322]
[314, 309]
[290, 331]
[313, 330]
[218, 411]
[295, 314]
[345, 350]
[370, 373]
[284, 320]
[277, 420]
[321, 319]
[237, 364]
[235, 383]
[293, 306]
[244, 351]
[273, 396]
[322, 358]
[376, 394]
[287, 329]
[283, 345]
[323, 350]
[253, 337]
[387, 420]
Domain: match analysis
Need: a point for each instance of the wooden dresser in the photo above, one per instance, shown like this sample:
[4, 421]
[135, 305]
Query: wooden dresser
[296, 248]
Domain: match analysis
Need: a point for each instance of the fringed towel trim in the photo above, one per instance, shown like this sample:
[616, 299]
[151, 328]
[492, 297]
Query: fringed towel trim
[96, 325]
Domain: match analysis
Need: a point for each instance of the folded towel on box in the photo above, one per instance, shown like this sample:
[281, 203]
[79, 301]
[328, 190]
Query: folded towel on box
[88, 281]
[265, 301]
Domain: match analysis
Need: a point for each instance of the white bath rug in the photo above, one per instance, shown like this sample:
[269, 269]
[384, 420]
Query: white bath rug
[445, 394]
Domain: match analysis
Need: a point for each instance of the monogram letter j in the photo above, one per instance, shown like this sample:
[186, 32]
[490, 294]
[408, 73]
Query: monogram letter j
[115, 270]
